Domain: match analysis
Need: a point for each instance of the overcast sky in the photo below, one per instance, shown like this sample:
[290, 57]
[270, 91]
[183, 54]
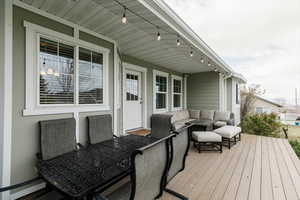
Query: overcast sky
[258, 38]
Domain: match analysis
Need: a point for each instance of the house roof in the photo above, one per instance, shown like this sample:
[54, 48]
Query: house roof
[269, 101]
[137, 38]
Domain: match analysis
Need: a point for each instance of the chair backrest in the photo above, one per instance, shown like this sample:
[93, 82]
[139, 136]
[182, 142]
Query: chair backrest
[161, 125]
[179, 149]
[57, 137]
[150, 168]
[100, 128]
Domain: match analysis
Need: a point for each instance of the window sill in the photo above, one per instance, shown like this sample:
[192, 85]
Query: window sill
[64, 110]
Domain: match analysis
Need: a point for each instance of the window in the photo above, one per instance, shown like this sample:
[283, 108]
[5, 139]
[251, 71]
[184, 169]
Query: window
[237, 93]
[56, 72]
[90, 77]
[160, 91]
[176, 93]
[63, 74]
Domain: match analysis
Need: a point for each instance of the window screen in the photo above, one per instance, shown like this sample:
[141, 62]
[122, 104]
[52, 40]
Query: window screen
[56, 72]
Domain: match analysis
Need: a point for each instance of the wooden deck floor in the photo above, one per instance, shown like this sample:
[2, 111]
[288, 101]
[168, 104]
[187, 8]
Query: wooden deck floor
[257, 168]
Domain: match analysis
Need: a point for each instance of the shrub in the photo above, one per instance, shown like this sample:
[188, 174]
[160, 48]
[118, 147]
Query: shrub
[262, 124]
[296, 146]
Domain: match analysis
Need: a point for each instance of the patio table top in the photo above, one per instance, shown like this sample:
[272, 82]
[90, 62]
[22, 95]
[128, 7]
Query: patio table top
[79, 173]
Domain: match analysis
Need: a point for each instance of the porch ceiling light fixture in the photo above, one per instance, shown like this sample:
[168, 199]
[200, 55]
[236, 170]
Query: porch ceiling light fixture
[216, 70]
[191, 53]
[209, 64]
[124, 18]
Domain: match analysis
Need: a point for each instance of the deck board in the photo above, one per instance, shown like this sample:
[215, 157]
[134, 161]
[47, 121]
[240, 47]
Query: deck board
[257, 168]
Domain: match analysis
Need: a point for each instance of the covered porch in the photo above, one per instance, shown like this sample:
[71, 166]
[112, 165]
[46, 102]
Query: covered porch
[144, 49]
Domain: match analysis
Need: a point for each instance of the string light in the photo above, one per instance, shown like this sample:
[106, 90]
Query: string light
[191, 53]
[124, 19]
[178, 41]
[216, 70]
[202, 60]
[209, 64]
[56, 74]
[50, 71]
[158, 36]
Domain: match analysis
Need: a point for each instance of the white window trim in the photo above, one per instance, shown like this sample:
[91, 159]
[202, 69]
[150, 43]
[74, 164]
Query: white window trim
[179, 78]
[32, 106]
[164, 74]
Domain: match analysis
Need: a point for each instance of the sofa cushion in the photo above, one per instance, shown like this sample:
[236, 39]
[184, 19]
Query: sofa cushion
[222, 116]
[194, 114]
[220, 123]
[180, 115]
[207, 115]
[228, 131]
[206, 136]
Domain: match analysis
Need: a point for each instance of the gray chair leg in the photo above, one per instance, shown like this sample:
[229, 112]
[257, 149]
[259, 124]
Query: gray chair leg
[240, 136]
[229, 143]
[221, 147]
[235, 139]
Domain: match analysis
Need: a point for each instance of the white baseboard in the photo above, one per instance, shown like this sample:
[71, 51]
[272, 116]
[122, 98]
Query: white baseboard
[27, 191]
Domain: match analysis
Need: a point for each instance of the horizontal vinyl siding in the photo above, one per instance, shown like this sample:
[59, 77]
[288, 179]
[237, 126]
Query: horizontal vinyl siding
[203, 91]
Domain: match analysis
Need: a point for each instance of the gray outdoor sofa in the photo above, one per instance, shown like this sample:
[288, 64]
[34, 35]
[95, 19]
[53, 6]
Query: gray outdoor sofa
[212, 119]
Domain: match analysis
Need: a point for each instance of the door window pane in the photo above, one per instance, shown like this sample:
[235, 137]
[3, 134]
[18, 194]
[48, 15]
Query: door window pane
[56, 72]
[132, 87]
[90, 77]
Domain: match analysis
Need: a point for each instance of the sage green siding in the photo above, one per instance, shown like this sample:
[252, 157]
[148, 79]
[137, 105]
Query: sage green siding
[25, 132]
[203, 91]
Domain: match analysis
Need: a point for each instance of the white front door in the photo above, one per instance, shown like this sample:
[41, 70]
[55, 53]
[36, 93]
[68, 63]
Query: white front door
[133, 100]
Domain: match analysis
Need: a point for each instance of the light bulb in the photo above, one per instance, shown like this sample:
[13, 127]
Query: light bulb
[202, 60]
[158, 36]
[192, 53]
[178, 42]
[124, 19]
[43, 72]
[209, 64]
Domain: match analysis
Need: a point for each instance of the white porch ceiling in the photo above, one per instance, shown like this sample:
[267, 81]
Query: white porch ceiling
[137, 38]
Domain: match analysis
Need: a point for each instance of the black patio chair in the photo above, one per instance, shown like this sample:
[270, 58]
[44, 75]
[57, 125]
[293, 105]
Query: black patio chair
[100, 128]
[57, 137]
[150, 165]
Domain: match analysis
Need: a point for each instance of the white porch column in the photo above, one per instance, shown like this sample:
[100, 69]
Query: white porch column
[5, 93]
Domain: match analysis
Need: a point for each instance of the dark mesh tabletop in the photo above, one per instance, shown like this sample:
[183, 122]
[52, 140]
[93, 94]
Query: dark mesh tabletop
[78, 173]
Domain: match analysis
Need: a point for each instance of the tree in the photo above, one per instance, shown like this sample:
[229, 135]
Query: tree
[248, 96]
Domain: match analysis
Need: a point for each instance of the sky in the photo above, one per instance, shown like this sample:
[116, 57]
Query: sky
[258, 38]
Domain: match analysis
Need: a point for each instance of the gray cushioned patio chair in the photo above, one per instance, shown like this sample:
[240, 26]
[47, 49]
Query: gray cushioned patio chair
[150, 167]
[57, 137]
[161, 125]
[179, 145]
[100, 128]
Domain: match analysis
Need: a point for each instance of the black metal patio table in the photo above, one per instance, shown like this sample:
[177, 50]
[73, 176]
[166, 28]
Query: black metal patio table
[80, 173]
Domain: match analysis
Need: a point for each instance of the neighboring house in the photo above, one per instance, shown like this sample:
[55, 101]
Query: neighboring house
[62, 59]
[262, 105]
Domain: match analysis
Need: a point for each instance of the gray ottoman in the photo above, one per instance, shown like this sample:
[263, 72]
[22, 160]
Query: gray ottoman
[207, 139]
[229, 135]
